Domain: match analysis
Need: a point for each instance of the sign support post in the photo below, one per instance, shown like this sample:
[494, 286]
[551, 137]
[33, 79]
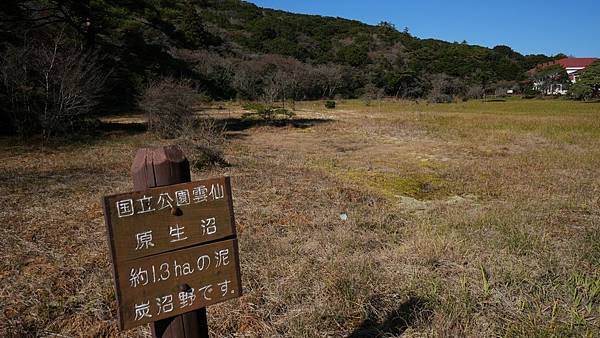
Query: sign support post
[156, 167]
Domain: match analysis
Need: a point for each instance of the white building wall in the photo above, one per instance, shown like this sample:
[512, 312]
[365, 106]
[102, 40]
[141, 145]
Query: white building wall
[571, 70]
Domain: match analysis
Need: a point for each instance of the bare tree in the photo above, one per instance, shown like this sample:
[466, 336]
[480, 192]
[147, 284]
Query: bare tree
[50, 85]
[286, 82]
[475, 92]
[220, 70]
[444, 88]
[331, 78]
[246, 79]
[372, 92]
[204, 143]
[271, 89]
[168, 104]
[72, 83]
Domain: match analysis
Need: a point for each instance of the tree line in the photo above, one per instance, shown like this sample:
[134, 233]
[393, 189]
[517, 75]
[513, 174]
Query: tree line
[63, 61]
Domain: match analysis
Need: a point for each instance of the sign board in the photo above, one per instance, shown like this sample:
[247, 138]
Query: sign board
[174, 249]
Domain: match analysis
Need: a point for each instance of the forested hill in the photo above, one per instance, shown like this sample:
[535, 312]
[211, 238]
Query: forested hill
[317, 39]
[234, 49]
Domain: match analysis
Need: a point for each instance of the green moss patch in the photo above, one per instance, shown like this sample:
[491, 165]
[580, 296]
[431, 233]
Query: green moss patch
[423, 186]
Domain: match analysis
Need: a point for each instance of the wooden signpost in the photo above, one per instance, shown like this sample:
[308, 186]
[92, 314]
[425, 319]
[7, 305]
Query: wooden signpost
[173, 245]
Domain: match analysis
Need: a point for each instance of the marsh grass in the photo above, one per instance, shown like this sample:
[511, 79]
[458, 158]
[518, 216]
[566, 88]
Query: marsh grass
[392, 185]
[504, 243]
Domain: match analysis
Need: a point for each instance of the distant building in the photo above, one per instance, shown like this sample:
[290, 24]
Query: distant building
[574, 66]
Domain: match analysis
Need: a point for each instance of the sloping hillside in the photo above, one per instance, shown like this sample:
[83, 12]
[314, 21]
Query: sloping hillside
[226, 50]
[318, 39]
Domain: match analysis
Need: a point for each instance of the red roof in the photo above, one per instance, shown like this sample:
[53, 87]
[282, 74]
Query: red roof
[566, 63]
[576, 62]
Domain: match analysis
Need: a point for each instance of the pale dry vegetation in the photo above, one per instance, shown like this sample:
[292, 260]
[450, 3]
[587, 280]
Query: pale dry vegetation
[471, 219]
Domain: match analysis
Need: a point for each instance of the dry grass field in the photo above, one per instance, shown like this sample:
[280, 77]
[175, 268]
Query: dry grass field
[468, 219]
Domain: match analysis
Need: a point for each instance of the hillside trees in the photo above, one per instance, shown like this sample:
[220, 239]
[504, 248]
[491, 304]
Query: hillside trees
[59, 54]
[191, 27]
[355, 55]
[403, 84]
[333, 40]
[274, 78]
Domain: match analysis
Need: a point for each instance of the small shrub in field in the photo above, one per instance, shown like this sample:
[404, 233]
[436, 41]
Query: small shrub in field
[284, 113]
[330, 104]
[252, 106]
[168, 105]
[202, 157]
[203, 144]
[265, 113]
[251, 118]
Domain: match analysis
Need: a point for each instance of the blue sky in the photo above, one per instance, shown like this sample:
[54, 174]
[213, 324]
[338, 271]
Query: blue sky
[528, 26]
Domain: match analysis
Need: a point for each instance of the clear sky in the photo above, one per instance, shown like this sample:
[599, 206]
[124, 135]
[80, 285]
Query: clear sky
[528, 26]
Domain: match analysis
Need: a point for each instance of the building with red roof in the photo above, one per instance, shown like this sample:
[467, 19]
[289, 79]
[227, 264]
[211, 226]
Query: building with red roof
[573, 66]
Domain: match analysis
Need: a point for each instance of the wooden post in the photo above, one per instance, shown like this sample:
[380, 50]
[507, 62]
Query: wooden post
[155, 167]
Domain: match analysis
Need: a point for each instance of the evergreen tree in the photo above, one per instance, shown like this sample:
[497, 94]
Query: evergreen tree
[588, 83]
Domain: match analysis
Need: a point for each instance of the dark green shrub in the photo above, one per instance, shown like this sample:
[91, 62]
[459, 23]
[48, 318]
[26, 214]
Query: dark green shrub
[329, 104]
[253, 106]
[581, 92]
[284, 113]
[265, 113]
[251, 118]
[530, 93]
[203, 157]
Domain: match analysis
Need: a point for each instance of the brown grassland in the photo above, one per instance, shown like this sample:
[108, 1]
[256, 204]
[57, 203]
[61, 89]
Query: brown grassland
[465, 219]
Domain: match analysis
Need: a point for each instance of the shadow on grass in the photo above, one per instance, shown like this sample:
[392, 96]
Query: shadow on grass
[98, 130]
[238, 124]
[396, 322]
[94, 132]
[57, 181]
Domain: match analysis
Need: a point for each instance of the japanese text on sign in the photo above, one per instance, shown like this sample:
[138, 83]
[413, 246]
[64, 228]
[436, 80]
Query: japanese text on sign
[173, 248]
